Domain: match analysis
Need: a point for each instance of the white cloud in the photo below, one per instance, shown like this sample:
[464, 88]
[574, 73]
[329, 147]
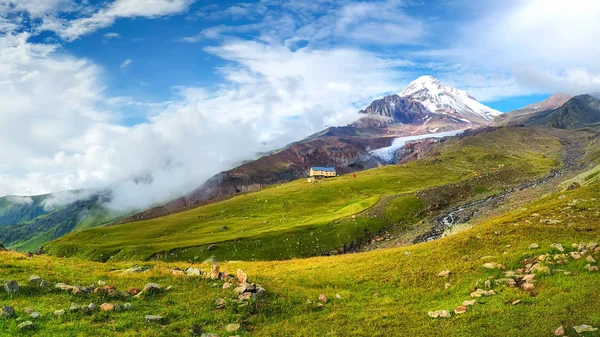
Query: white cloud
[18, 200]
[72, 29]
[112, 35]
[125, 65]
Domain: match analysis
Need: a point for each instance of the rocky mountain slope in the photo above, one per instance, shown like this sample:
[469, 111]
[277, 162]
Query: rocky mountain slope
[578, 112]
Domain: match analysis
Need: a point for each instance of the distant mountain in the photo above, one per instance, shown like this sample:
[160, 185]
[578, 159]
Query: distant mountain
[578, 112]
[426, 101]
[552, 102]
[26, 222]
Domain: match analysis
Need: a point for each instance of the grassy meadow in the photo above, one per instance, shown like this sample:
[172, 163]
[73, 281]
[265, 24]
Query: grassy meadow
[301, 219]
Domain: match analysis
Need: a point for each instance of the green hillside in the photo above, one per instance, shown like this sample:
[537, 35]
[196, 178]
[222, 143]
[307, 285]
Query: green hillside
[300, 219]
[381, 293]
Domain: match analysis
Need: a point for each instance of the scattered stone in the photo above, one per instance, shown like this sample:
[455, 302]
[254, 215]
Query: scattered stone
[93, 307]
[28, 310]
[220, 303]
[209, 335]
[196, 330]
[461, 309]
[527, 286]
[153, 318]
[107, 307]
[35, 315]
[241, 276]
[118, 307]
[488, 284]
[560, 331]
[101, 283]
[178, 272]
[224, 228]
[11, 286]
[232, 327]
[528, 278]
[59, 313]
[100, 291]
[515, 302]
[469, 302]
[112, 293]
[534, 246]
[133, 291]
[444, 273]
[558, 247]
[490, 265]
[25, 325]
[480, 292]
[338, 296]
[439, 314]
[150, 288]
[74, 307]
[86, 309]
[591, 246]
[193, 272]
[35, 280]
[44, 284]
[447, 285]
[590, 259]
[575, 255]
[127, 306]
[227, 285]
[136, 269]
[214, 271]
[584, 328]
[7, 311]
[593, 268]
[323, 298]
[507, 282]
[245, 296]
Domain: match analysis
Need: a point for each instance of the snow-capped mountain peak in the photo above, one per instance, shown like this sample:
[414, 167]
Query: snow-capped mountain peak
[439, 99]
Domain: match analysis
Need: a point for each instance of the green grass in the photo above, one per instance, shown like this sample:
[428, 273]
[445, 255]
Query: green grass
[383, 293]
[300, 219]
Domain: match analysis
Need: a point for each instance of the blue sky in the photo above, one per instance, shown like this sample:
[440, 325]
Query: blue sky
[99, 92]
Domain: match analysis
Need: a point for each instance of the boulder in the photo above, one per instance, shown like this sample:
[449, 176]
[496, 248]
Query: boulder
[584, 328]
[323, 298]
[214, 271]
[35, 280]
[25, 325]
[107, 307]
[444, 273]
[133, 291]
[11, 286]
[461, 309]
[232, 327]
[7, 311]
[560, 331]
[241, 276]
[153, 318]
[439, 314]
[193, 272]
[74, 307]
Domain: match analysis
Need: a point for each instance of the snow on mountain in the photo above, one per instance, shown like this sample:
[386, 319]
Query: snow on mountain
[447, 100]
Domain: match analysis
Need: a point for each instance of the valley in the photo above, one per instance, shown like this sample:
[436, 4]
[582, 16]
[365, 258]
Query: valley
[464, 231]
